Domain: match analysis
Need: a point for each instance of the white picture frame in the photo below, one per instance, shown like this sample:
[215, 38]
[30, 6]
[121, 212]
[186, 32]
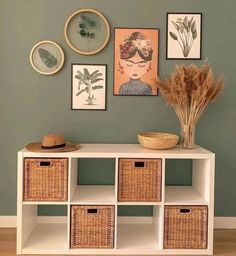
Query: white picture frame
[88, 83]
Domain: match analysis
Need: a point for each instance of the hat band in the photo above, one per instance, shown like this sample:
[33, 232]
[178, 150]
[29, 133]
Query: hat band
[53, 147]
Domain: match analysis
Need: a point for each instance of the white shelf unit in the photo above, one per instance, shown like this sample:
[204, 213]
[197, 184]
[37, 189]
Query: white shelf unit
[133, 235]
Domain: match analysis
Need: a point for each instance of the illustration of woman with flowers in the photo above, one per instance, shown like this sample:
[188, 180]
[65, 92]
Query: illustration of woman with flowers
[135, 61]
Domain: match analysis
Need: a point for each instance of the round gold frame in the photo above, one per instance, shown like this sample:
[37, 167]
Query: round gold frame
[61, 52]
[107, 27]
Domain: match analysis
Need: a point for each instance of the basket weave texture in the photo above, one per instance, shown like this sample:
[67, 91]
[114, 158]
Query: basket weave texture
[92, 226]
[157, 140]
[140, 180]
[45, 179]
[185, 230]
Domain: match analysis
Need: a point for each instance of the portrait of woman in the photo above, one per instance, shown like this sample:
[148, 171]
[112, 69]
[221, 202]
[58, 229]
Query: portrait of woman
[136, 61]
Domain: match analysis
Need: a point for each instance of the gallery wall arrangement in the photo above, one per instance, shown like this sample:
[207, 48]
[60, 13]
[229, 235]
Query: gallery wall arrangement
[86, 56]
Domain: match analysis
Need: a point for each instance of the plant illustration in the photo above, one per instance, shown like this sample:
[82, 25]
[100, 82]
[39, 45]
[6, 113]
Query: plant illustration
[86, 25]
[88, 83]
[186, 33]
[47, 58]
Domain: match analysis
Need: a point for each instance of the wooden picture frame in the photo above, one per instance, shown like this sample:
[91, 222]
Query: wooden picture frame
[136, 61]
[184, 36]
[47, 57]
[87, 31]
[88, 86]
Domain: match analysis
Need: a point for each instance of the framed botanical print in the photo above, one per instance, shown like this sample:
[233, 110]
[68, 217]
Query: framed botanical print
[87, 31]
[88, 86]
[136, 61]
[184, 37]
[47, 57]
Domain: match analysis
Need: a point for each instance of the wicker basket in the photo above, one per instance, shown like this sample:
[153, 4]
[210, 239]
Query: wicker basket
[92, 226]
[45, 179]
[140, 180]
[157, 140]
[185, 227]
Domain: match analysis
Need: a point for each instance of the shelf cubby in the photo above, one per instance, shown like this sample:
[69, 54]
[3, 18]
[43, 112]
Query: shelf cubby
[140, 233]
[47, 238]
[95, 192]
[137, 237]
[193, 190]
[39, 236]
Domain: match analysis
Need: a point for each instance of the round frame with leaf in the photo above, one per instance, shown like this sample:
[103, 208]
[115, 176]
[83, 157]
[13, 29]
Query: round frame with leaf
[47, 57]
[87, 31]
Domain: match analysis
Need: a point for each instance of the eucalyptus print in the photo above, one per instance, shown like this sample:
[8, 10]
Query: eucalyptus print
[86, 28]
[185, 33]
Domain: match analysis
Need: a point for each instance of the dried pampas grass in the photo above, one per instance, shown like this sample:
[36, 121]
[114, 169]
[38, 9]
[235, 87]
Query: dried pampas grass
[189, 90]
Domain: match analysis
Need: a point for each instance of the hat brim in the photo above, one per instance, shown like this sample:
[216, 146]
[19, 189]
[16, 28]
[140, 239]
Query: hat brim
[36, 147]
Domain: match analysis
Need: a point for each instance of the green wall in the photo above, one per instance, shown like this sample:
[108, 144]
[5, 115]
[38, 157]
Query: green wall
[32, 105]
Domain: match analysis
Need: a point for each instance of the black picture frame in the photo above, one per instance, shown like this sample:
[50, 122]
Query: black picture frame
[105, 87]
[158, 57]
[167, 35]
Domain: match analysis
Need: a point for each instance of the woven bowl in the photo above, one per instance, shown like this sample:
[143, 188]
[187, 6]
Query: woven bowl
[157, 140]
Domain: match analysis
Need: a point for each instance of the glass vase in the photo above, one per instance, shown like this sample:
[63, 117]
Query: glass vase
[187, 136]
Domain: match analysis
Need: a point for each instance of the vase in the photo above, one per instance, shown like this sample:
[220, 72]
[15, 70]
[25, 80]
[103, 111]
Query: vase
[187, 136]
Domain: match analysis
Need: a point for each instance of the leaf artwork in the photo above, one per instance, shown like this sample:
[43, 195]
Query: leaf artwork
[88, 82]
[47, 58]
[86, 28]
[185, 34]
[174, 36]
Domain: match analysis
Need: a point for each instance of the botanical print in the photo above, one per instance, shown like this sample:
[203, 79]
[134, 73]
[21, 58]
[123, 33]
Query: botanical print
[87, 31]
[88, 83]
[86, 28]
[47, 58]
[88, 86]
[187, 32]
[184, 36]
[136, 61]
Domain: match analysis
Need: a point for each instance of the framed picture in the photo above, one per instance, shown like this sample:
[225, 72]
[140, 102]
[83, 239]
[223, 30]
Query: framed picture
[87, 31]
[47, 57]
[184, 37]
[88, 86]
[136, 61]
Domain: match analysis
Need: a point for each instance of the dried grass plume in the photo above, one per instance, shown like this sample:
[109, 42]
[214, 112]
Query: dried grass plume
[189, 90]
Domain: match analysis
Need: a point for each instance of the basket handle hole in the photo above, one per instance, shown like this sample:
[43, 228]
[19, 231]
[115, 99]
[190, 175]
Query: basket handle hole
[45, 163]
[139, 164]
[92, 211]
[185, 211]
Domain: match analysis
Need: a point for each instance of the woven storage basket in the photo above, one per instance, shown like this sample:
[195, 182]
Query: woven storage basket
[92, 226]
[45, 179]
[140, 180]
[185, 227]
[157, 140]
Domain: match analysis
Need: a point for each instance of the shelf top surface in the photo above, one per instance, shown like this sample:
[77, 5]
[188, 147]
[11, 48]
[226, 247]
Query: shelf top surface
[94, 194]
[124, 150]
[183, 195]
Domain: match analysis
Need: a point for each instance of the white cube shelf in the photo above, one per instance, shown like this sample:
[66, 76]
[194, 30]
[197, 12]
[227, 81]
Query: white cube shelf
[133, 235]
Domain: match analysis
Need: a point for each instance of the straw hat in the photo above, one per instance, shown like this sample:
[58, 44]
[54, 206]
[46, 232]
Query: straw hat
[53, 143]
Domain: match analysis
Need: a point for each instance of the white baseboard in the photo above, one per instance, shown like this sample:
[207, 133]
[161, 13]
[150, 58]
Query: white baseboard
[219, 222]
[225, 222]
[7, 221]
